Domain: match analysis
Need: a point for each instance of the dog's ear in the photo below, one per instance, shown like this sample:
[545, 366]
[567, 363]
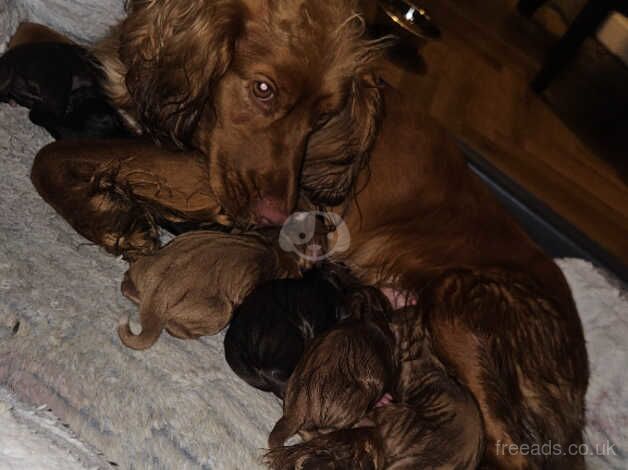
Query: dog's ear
[338, 150]
[174, 52]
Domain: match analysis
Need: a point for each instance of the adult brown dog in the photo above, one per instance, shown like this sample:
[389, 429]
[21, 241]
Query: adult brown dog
[282, 100]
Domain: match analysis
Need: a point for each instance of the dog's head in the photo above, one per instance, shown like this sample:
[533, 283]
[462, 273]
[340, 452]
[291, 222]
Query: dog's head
[272, 91]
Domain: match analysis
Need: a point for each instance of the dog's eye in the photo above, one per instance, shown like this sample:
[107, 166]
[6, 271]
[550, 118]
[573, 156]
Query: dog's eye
[263, 91]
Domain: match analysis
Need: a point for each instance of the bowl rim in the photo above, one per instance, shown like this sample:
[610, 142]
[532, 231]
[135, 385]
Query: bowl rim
[390, 11]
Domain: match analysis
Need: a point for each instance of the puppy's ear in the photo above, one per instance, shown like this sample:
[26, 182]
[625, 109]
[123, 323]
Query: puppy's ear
[174, 53]
[338, 150]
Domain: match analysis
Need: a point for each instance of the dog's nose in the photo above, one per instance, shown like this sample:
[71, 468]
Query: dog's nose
[270, 211]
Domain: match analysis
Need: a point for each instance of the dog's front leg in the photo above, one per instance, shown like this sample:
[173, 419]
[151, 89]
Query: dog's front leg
[111, 192]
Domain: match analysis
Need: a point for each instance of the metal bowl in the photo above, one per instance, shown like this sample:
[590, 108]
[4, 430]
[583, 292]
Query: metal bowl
[411, 18]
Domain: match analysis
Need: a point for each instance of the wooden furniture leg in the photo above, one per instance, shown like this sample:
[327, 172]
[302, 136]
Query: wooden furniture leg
[584, 25]
[529, 7]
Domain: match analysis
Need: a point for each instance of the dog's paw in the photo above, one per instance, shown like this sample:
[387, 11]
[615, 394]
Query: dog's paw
[132, 243]
[122, 225]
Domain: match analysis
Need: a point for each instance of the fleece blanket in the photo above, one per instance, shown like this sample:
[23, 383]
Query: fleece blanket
[176, 405]
[34, 439]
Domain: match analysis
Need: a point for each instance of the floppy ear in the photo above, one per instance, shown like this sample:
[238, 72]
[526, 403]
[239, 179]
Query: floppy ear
[336, 153]
[174, 52]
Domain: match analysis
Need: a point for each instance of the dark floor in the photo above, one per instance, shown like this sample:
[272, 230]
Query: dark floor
[553, 234]
[591, 97]
[566, 148]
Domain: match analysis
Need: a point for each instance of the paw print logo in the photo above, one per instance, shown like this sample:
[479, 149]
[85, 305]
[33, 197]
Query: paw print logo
[299, 235]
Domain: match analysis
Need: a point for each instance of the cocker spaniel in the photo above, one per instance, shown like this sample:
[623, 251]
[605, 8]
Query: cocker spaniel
[282, 104]
[259, 86]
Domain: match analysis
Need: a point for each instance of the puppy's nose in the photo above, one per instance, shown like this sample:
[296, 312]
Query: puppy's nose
[270, 211]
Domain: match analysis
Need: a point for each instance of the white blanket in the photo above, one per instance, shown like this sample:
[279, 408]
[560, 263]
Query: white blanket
[34, 439]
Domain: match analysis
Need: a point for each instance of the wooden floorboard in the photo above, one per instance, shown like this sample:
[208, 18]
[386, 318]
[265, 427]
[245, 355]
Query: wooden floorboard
[476, 85]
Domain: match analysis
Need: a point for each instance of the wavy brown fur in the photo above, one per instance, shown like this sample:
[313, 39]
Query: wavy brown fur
[179, 70]
[114, 192]
[421, 214]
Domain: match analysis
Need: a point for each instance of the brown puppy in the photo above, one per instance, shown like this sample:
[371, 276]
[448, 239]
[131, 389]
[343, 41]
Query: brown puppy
[342, 375]
[359, 448]
[191, 286]
[434, 422]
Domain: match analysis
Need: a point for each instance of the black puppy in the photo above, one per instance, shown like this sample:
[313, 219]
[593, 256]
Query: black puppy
[60, 84]
[272, 327]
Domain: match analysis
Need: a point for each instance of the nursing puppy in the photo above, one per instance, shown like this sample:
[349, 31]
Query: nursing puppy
[434, 421]
[343, 374]
[276, 322]
[191, 286]
[60, 84]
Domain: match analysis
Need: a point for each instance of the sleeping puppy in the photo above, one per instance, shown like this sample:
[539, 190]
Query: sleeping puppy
[60, 84]
[275, 323]
[343, 374]
[191, 286]
[434, 421]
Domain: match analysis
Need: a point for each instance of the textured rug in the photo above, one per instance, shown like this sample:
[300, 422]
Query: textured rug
[34, 439]
[177, 405]
[174, 406]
